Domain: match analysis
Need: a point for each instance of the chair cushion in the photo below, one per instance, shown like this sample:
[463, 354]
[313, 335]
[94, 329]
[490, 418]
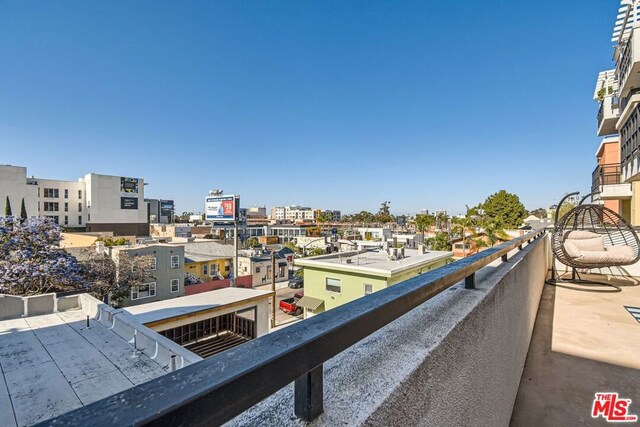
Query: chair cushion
[585, 243]
[580, 234]
[611, 255]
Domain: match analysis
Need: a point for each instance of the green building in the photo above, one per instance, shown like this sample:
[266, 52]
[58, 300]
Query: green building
[338, 278]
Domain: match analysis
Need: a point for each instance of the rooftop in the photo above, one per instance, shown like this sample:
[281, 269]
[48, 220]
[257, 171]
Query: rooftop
[205, 251]
[206, 301]
[54, 363]
[374, 261]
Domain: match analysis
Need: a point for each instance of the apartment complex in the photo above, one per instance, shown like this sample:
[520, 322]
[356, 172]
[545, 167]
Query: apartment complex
[94, 203]
[616, 178]
[295, 213]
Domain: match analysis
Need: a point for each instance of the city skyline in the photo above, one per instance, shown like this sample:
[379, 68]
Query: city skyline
[334, 106]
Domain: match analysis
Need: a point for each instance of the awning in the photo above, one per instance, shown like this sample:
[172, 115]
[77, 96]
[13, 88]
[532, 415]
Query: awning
[282, 264]
[310, 302]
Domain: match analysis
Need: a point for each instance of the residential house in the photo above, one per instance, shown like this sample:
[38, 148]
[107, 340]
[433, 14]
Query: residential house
[338, 278]
[208, 260]
[258, 263]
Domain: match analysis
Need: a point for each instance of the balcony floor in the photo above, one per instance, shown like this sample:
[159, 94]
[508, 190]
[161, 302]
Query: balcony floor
[582, 343]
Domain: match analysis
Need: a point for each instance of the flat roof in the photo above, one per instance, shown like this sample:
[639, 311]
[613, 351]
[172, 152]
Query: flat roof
[53, 363]
[375, 262]
[190, 304]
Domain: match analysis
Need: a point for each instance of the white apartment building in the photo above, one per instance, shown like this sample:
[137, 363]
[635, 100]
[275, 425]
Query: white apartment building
[616, 178]
[94, 202]
[299, 213]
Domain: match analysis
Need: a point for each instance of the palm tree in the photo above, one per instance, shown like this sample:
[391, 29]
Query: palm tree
[441, 242]
[424, 222]
[442, 219]
[494, 232]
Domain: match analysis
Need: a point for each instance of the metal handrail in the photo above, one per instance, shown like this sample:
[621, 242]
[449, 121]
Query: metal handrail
[215, 390]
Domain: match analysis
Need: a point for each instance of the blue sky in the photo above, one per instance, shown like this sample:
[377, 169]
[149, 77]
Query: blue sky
[329, 104]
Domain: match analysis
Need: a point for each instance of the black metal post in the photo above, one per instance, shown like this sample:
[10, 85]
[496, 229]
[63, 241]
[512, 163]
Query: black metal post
[308, 392]
[470, 281]
[505, 258]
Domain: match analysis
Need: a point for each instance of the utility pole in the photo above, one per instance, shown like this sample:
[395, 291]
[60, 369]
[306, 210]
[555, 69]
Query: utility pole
[235, 251]
[273, 288]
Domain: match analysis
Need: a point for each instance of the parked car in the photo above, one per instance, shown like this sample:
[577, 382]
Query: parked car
[288, 305]
[296, 283]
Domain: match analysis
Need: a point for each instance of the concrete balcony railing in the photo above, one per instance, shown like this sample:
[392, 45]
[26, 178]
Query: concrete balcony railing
[606, 182]
[448, 347]
[628, 64]
[608, 115]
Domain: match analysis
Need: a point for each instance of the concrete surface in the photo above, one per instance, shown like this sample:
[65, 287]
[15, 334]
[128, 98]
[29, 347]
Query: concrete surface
[53, 363]
[455, 360]
[583, 343]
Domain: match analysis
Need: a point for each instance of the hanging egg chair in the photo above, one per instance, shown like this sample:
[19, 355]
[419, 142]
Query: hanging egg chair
[592, 236]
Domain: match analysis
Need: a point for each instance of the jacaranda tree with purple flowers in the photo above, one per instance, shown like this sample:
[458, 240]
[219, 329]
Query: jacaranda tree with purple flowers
[31, 261]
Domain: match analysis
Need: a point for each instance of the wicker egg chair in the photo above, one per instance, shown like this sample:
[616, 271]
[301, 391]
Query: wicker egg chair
[593, 236]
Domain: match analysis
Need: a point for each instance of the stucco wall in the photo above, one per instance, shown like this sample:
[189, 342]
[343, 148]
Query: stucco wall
[352, 283]
[455, 360]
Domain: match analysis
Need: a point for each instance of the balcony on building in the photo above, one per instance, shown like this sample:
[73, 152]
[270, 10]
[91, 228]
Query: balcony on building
[607, 183]
[608, 116]
[606, 94]
[627, 57]
[483, 340]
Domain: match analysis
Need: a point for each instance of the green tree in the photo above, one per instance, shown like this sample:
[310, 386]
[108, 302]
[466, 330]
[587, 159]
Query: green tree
[23, 210]
[441, 242]
[465, 227]
[384, 214]
[494, 232]
[7, 207]
[252, 242]
[316, 252]
[442, 221]
[504, 208]
[293, 247]
[424, 222]
[364, 217]
[539, 213]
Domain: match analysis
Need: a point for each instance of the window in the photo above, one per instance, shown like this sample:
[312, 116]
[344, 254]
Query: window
[257, 269]
[205, 269]
[154, 263]
[143, 291]
[175, 285]
[213, 269]
[175, 261]
[51, 206]
[368, 289]
[79, 207]
[66, 193]
[80, 219]
[51, 193]
[66, 220]
[333, 285]
[66, 206]
[227, 268]
[79, 194]
[88, 217]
